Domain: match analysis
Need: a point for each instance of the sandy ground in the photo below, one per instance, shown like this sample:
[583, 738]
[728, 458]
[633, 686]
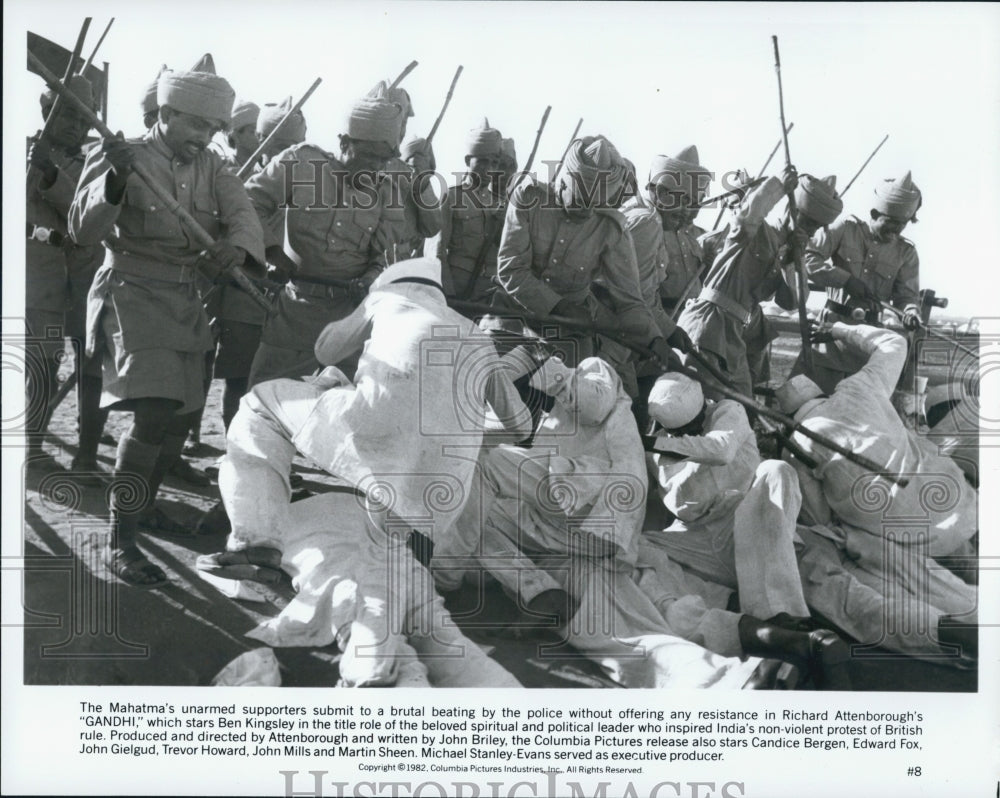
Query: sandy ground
[84, 627]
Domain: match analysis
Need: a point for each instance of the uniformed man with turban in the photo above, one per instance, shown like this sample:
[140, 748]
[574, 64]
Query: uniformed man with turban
[565, 252]
[292, 132]
[412, 211]
[326, 219]
[144, 310]
[236, 318]
[755, 262]
[678, 183]
[471, 221]
[862, 262]
[816, 199]
[659, 211]
[57, 277]
[242, 136]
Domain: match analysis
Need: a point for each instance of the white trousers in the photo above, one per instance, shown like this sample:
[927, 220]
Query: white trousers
[750, 549]
[354, 584]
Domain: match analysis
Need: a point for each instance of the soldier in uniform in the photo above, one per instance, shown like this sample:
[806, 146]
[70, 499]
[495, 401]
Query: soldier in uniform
[862, 263]
[684, 254]
[236, 319]
[293, 132]
[471, 221]
[661, 209]
[325, 220]
[562, 246]
[144, 308]
[58, 276]
[412, 212]
[242, 135]
[753, 264]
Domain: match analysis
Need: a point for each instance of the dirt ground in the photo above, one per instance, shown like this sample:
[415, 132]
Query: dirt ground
[84, 627]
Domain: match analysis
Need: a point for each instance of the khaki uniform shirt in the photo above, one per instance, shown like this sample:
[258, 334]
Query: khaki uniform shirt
[471, 222]
[847, 248]
[151, 272]
[411, 219]
[651, 256]
[328, 227]
[546, 256]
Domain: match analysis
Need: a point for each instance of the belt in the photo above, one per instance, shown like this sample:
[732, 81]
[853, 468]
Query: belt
[730, 306]
[45, 235]
[156, 270]
[302, 286]
[871, 316]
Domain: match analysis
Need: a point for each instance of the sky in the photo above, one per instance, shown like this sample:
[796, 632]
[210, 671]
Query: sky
[653, 78]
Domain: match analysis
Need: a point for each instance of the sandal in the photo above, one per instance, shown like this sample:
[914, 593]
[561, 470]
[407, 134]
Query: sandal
[159, 523]
[256, 563]
[134, 568]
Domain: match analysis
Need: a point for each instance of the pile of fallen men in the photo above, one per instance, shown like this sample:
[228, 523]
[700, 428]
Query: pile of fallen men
[504, 381]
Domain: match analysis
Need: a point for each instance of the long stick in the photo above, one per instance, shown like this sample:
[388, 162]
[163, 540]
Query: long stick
[799, 263]
[760, 174]
[883, 141]
[930, 331]
[538, 138]
[512, 184]
[199, 232]
[444, 107]
[570, 142]
[475, 308]
[96, 48]
[244, 170]
[409, 68]
[70, 69]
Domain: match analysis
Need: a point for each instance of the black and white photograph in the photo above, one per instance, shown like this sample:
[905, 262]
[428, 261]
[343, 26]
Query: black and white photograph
[628, 369]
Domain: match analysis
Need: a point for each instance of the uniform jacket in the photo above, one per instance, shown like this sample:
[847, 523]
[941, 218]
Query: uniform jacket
[150, 273]
[546, 256]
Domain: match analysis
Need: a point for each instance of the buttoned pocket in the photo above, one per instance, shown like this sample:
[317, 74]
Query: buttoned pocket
[883, 271]
[468, 227]
[143, 213]
[206, 212]
[351, 231]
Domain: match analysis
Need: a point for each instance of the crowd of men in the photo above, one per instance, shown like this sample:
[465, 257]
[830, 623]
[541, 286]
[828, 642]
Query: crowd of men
[503, 382]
